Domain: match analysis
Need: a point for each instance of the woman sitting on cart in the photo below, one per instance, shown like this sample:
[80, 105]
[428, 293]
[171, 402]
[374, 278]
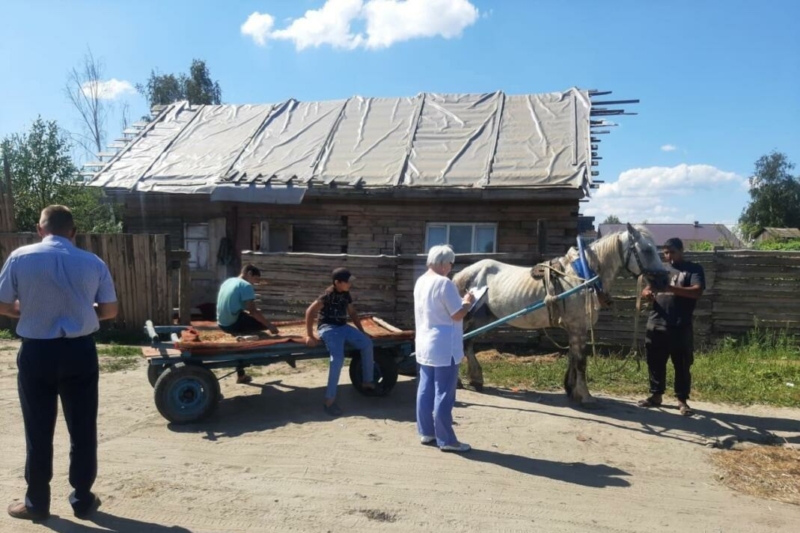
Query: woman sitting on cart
[333, 308]
[236, 309]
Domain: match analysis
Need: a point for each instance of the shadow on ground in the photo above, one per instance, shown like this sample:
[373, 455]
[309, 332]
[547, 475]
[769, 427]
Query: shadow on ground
[279, 404]
[107, 523]
[664, 421]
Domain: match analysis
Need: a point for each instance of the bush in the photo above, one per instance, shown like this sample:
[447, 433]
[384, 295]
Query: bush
[792, 245]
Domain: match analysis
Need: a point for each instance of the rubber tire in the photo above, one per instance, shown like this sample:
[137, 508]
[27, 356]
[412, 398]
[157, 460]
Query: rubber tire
[154, 372]
[198, 384]
[385, 374]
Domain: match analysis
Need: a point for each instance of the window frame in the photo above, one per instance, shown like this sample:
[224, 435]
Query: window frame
[196, 265]
[473, 225]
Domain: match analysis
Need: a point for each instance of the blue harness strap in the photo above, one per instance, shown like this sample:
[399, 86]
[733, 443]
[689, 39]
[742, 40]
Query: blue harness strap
[581, 266]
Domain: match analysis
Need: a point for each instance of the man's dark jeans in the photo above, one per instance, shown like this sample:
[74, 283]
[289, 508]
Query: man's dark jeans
[49, 369]
[663, 343]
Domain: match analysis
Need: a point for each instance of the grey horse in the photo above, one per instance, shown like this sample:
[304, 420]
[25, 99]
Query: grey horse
[511, 288]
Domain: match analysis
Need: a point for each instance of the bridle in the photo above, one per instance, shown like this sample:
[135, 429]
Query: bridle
[625, 255]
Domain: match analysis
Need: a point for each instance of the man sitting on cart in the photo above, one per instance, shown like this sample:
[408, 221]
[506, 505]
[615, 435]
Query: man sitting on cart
[333, 308]
[236, 310]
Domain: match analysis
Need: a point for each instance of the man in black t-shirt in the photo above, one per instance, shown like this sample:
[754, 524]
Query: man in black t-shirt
[332, 309]
[669, 327]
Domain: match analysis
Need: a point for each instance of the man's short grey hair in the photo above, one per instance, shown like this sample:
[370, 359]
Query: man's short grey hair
[440, 255]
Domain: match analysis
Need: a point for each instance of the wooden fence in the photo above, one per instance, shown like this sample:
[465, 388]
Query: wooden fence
[139, 266]
[743, 289]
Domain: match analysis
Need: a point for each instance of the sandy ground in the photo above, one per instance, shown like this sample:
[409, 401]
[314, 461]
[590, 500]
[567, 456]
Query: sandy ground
[271, 460]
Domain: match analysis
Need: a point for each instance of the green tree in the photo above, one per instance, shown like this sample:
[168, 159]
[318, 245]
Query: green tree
[42, 174]
[774, 195]
[612, 219]
[198, 87]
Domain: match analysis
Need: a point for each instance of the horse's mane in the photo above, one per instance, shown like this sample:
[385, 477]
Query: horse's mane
[606, 249]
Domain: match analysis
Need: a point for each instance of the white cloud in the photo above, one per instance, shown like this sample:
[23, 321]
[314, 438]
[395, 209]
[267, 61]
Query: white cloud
[392, 21]
[328, 25]
[258, 25]
[658, 194]
[386, 22]
[669, 148]
[107, 90]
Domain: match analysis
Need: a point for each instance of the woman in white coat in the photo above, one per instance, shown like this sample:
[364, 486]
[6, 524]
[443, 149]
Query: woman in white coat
[438, 312]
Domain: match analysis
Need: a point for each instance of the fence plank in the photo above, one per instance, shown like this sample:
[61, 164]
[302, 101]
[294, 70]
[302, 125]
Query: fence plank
[140, 273]
[742, 289]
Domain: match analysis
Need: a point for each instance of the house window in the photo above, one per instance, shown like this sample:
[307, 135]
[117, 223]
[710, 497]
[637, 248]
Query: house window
[464, 238]
[195, 239]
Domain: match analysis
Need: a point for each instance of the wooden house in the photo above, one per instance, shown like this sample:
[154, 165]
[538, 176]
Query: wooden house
[777, 234]
[488, 173]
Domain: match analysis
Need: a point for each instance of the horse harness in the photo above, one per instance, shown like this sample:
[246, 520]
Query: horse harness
[553, 273]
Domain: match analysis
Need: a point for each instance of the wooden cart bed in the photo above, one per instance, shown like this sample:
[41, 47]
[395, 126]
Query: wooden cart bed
[205, 338]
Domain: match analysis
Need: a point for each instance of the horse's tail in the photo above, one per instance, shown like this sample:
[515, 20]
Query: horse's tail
[465, 279]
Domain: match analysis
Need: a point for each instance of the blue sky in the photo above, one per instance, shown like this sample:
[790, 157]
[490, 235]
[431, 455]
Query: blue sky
[719, 80]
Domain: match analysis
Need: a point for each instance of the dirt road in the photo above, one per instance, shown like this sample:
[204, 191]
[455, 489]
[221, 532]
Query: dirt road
[271, 460]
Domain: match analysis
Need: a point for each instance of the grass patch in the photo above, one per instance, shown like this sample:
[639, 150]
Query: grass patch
[7, 335]
[763, 367]
[117, 357]
[117, 364]
[117, 350]
[770, 472]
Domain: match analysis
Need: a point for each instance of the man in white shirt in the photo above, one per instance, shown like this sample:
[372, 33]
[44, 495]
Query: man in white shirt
[60, 294]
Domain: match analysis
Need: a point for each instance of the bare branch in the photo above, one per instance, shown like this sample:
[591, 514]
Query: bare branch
[83, 92]
[125, 120]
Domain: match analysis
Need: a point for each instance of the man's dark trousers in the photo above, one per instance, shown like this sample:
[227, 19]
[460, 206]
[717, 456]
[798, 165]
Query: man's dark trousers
[49, 369]
[661, 343]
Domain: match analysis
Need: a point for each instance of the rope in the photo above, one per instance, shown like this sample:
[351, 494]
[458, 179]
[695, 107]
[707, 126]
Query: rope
[563, 274]
[634, 351]
[550, 300]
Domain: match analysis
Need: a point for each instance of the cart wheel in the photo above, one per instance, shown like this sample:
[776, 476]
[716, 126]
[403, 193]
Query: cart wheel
[408, 367]
[385, 373]
[154, 372]
[186, 393]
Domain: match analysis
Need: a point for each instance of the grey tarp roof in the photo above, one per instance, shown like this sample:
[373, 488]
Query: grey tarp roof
[431, 140]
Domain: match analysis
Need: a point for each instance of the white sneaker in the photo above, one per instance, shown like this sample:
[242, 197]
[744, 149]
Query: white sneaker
[459, 448]
[426, 440]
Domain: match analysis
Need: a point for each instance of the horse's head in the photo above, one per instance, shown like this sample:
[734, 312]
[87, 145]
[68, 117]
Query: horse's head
[640, 256]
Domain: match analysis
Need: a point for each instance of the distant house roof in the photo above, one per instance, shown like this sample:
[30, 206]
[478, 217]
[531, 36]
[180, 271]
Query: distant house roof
[779, 233]
[489, 140]
[713, 233]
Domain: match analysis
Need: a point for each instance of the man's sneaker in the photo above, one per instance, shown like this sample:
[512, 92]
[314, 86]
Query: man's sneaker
[424, 439]
[458, 448]
[333, 410]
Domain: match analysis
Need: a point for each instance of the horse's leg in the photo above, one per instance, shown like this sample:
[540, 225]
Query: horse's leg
[580, 389]
[570, 375]
[474, 370]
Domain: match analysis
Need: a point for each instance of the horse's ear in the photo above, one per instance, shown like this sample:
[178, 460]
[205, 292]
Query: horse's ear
[633, 232]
